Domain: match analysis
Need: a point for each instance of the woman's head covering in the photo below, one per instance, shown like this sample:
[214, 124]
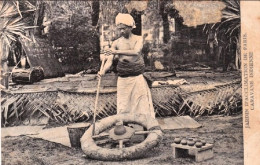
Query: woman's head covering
[126, 19]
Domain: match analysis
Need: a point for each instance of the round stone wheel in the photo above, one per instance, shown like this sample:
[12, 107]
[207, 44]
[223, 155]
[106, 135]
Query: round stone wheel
[93, 151]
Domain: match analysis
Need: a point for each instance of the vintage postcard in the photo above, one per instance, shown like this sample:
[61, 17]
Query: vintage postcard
[250, 49]
[130, 82]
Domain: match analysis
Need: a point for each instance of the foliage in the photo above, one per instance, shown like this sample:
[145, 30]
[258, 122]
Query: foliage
[11, 29]
[230, 19]
[76, 34]
[110, 9]
[72, 33]
[228, 30]
[12, 25]
[14, 8]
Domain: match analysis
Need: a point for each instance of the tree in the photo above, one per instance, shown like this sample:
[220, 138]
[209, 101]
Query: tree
[164, 14]
[228, 33]
[12, 27]
[95, 12]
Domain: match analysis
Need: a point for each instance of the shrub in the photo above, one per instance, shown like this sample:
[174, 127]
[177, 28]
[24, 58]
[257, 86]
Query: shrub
[76, 41]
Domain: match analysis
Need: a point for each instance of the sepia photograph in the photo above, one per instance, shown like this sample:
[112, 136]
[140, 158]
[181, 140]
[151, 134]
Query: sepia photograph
[123, 82]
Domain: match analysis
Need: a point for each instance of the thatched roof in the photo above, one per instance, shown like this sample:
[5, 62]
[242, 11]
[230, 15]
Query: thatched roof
[196, 13]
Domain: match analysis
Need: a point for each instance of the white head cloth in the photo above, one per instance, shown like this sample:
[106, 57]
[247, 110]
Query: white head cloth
[126, 19]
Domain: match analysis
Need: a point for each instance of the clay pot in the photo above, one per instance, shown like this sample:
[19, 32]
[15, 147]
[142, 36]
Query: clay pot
[198, 140]
[203, 142]
[177, 140]
[198, 144]
[190, 142]
[195, 139]
[119, 129]
[184, 141]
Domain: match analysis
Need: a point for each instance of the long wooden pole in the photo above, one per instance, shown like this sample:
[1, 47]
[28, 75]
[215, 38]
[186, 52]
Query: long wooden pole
[96, 101]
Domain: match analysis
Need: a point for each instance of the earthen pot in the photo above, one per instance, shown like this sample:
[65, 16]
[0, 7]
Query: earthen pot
[195, 139]
[177, 140]
[119, 129]
[203, 142]
[198, 140]
[190, 142]
[198, 144]
[184, 141]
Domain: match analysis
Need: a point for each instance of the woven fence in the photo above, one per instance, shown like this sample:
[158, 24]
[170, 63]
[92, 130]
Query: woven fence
[211, 101]
[67, 107]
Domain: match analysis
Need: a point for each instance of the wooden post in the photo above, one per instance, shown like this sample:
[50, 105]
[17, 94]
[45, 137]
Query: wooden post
[96, 101]
[120, 144]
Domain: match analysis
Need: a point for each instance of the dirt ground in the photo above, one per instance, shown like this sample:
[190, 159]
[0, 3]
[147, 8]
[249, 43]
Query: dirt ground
[226, 132]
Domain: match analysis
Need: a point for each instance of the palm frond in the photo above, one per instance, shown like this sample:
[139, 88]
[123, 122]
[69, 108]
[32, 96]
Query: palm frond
[233, 8]
[6, 40]
[232, 3]
[12, 25]
[16, 4]
[8, 9]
